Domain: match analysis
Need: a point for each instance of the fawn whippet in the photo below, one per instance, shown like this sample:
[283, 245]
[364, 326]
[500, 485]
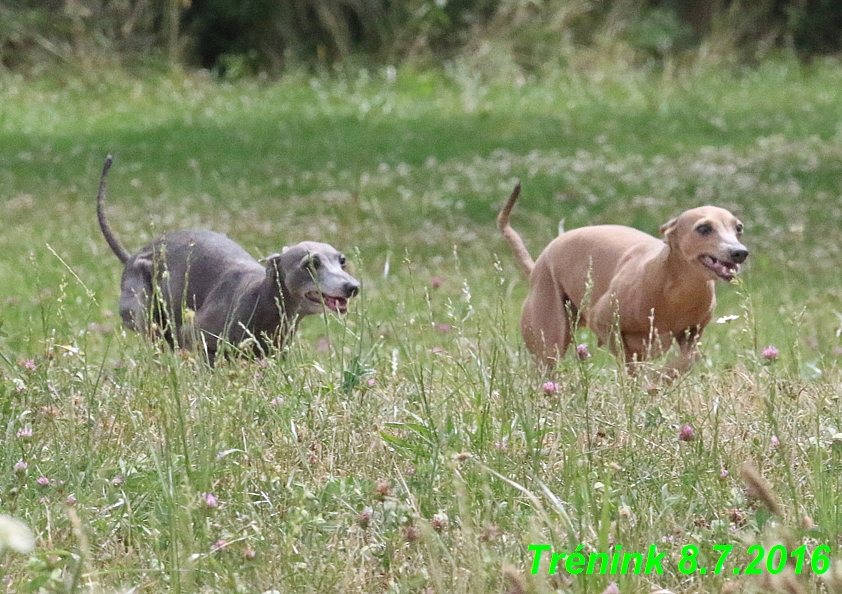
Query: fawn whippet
[637, 293]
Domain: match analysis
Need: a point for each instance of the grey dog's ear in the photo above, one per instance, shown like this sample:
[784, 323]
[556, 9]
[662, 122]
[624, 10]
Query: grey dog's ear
[270, 257]
[272, 262]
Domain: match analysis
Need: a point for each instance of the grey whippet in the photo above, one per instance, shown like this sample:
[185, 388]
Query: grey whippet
[201, 287]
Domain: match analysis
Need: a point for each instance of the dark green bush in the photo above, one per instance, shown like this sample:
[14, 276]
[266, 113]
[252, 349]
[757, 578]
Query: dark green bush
[817, 26]
[249, 36]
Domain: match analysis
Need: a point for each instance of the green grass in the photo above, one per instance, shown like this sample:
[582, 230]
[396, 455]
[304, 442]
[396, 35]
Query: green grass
[410, 447]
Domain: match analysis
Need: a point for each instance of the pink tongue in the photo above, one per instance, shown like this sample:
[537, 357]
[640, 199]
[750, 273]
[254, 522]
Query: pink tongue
[723, 270]
[336, 304]
[720, 268]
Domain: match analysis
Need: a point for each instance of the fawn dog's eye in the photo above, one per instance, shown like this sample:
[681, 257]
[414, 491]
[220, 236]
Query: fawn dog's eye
[739, 228]
[704, 229]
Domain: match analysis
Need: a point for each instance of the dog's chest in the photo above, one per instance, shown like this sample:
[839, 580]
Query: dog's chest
[666, 313]
[678, 314]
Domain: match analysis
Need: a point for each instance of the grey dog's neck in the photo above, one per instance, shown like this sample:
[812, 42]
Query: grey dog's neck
[275, 304]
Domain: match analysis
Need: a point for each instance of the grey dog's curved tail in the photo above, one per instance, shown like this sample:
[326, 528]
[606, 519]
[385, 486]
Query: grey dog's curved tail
[115, 245]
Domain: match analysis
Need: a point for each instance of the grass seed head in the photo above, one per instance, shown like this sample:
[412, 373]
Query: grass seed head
[758, 488]
[515, 583]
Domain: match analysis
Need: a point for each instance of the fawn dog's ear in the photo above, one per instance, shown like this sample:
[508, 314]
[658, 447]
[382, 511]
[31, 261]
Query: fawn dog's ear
[668, 227]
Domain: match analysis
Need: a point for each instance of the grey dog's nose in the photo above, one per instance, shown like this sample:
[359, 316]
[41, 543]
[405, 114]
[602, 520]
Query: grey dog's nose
[738, 255]
[351, 289]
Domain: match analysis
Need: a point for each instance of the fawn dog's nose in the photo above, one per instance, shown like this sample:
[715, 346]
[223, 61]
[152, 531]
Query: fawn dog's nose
[739, 254]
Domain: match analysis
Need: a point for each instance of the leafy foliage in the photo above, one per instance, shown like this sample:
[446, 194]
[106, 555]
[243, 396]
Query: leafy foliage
[242, 37]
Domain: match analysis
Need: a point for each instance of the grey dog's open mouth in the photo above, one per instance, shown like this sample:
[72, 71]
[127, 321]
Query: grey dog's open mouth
[721, 268]
[337, 304]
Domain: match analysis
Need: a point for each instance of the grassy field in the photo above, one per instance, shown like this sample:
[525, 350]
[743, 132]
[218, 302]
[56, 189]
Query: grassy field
[412, 446]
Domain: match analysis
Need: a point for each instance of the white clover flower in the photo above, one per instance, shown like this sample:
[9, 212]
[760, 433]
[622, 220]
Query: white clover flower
[726, 319]
[16, 535]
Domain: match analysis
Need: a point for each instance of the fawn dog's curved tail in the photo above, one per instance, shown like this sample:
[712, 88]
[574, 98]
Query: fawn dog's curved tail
[115, 245]
[524, 260]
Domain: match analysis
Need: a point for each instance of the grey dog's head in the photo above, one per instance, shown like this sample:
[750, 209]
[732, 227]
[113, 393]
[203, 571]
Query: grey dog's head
[313, 278]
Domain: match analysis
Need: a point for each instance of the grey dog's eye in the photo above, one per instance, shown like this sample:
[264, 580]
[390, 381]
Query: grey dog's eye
[704, 229]
[342, 261]
[314, 263]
